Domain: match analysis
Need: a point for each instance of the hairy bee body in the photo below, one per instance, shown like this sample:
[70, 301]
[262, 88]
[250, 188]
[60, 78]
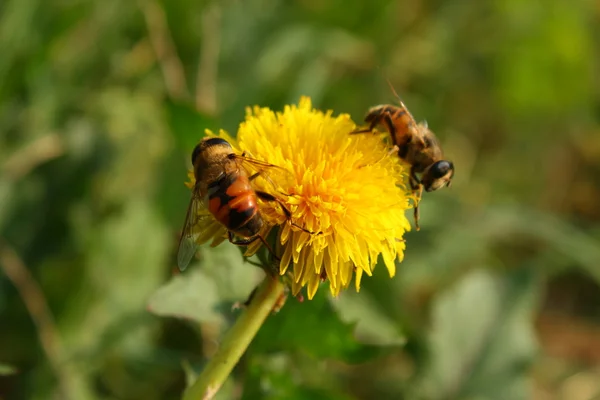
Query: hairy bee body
[225, 187]
[414, 143]
[224, 192]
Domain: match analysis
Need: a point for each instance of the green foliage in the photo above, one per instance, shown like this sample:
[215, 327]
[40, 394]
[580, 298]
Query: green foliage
[207, 292]
[372, 324]
[480, 343]
[98, 114]
[313, 329]
[6, 369]
[187, 124]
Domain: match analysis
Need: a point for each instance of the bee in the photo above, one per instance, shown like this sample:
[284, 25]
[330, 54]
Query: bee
[414, 143]
[224, 192]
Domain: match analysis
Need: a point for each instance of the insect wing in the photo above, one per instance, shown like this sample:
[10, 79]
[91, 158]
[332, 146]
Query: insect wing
[197, 220]
[408, 119]
[276, 177]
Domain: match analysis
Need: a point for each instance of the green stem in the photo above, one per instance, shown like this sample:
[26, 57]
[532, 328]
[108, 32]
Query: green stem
[236, 341]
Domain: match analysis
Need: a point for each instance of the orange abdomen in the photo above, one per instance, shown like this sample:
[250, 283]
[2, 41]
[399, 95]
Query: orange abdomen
[233, 202]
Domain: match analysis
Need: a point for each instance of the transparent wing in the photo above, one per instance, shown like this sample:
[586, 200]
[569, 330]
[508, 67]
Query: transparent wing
[278, 178]
[412, 127]
[198, 221]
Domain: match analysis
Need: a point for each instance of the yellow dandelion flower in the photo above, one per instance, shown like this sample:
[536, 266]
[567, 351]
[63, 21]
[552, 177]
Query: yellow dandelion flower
[346, 187]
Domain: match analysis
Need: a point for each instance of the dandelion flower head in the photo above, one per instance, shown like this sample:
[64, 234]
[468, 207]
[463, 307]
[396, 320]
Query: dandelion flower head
[346, 187]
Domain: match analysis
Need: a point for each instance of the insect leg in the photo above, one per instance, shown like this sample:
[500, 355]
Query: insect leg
[420, 191]
[417, 187]
[288, 214]
[238, 304]
[413, 179]
[362, 130]
[389, 124]
[250, 240]
[280, 301]
[241, 242]
[372, 126]
[393, 150]
[266, 177]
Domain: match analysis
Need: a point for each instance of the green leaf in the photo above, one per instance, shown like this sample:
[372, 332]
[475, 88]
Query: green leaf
[192, 296]
[187, 124]
[190, 374]
[126, 258]
[372, 325]
[482, 338]
[6, 370]
[206, 294]
[314, 327]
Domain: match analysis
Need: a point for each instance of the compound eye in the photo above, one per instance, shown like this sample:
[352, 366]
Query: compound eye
[195, 154]
[441, 168]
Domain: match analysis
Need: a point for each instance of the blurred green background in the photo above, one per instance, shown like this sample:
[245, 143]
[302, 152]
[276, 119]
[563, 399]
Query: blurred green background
[101, 103]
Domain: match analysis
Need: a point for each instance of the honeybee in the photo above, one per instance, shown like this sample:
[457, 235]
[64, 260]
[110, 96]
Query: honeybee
[224, 191]
[416, 144]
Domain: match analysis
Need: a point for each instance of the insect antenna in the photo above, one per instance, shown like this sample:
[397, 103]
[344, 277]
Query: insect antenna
[389, 83]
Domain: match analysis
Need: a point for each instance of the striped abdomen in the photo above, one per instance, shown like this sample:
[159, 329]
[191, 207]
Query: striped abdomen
[232, 201]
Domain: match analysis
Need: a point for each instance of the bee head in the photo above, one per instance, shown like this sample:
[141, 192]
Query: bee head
[196, 153]
[210, 151]
[209, 142]
[438, 175]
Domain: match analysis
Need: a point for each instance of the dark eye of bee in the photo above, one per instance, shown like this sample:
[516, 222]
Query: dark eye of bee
[441, 168]
[195, 154]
